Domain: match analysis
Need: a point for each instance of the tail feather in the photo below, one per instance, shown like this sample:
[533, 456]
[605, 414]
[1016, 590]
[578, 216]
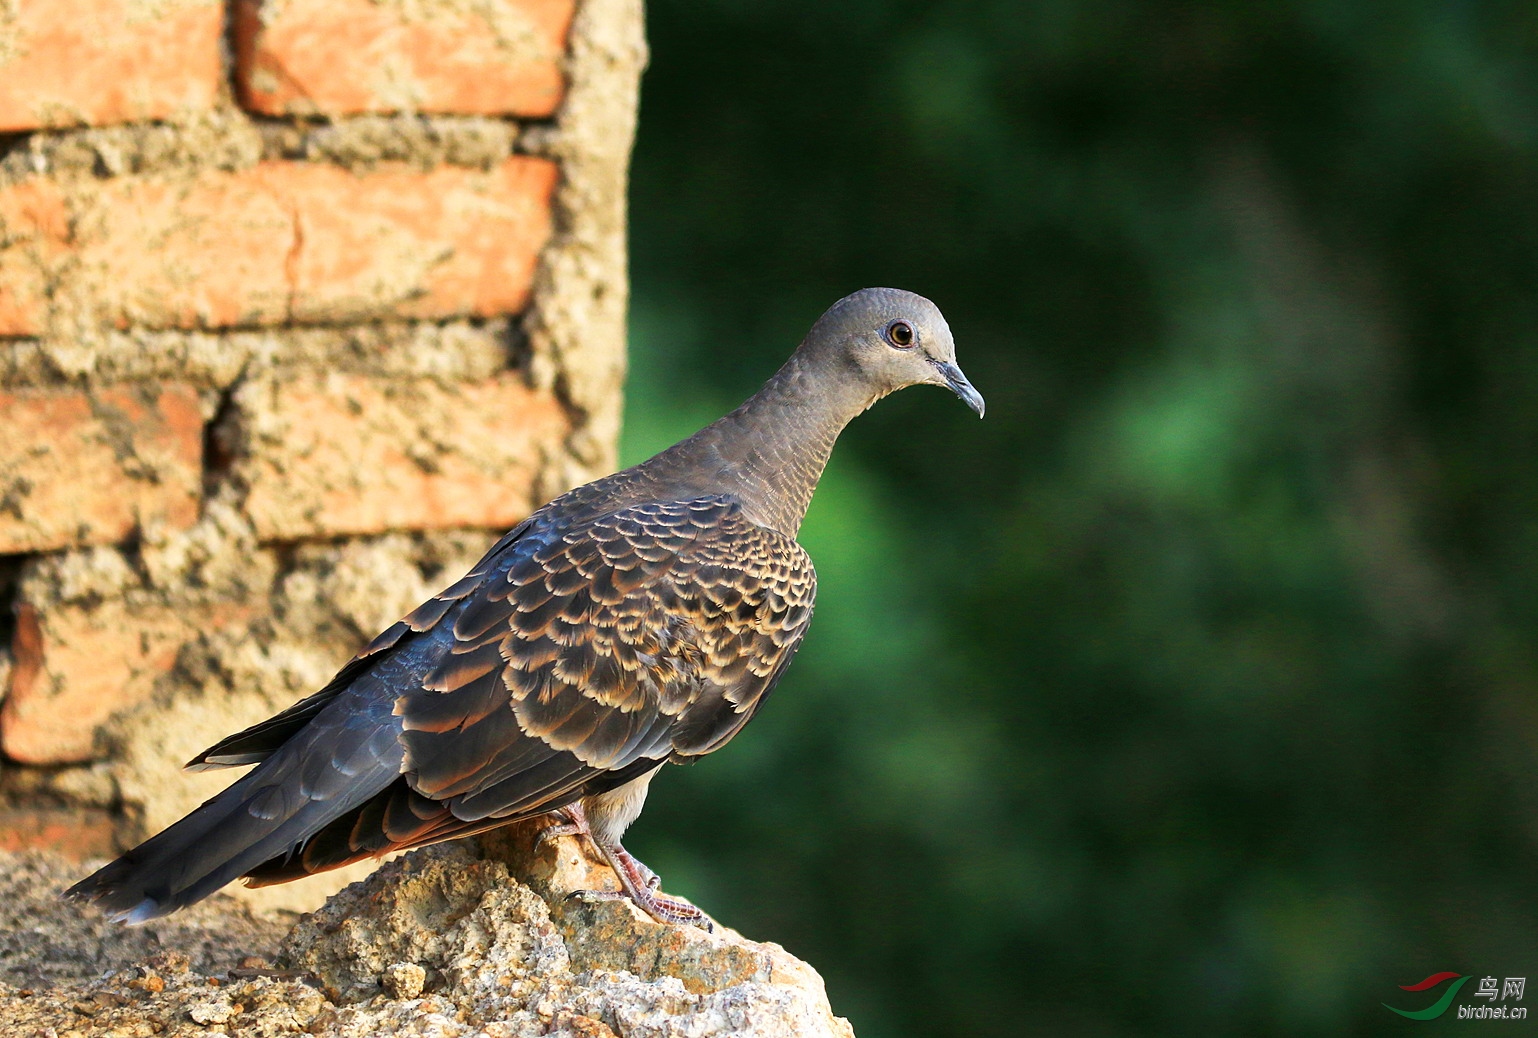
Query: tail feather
[269, 813]
[394, 819]
[154, 878]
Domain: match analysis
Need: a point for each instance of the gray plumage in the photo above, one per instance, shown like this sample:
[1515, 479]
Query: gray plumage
[640, 619]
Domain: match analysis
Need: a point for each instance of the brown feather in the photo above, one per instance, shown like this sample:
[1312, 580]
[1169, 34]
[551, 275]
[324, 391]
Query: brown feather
[607, 637]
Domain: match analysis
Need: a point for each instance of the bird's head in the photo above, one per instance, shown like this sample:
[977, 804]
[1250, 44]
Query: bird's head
[893, 339]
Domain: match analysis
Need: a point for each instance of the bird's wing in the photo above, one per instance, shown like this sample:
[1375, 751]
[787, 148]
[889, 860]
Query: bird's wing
[258, 742]
[650, 633]
[569, 661]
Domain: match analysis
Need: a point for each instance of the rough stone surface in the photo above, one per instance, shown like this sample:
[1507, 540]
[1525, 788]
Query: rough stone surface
[338, 57]
[442, 942]
[73, 62]
[500, 939]
[45, 941]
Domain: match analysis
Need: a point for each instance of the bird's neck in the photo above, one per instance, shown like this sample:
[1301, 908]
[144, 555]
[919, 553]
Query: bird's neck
[771, 451]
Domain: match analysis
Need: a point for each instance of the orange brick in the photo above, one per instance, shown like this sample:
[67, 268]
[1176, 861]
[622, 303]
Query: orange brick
[90, 62]
[81, 468]
[206, 252]
[333, 57]
[34, 238]
[76, 666]
[75, 832]
[450, 243]
[282, 242]
[349, 455]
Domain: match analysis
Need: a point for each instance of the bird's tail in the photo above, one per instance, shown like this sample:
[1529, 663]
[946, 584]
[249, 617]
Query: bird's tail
[268, 814]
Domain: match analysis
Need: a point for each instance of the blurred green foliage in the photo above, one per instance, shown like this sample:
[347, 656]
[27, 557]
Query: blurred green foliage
[1195, 691]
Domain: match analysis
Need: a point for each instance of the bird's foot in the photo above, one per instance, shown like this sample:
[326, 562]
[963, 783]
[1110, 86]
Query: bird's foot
[556, 830]
[648, 878]
[660, 907]
[639, 886]
[575, 825]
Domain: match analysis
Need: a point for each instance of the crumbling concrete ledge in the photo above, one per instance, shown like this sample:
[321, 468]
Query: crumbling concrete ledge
[465, 939]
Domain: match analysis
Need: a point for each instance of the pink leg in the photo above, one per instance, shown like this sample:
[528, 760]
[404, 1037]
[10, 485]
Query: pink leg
[638, 883]
[575, 825]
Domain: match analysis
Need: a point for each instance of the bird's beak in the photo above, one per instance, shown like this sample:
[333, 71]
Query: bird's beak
[960, 386]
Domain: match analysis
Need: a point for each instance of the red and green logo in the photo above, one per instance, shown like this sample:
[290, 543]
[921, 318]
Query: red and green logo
[1438, 1007]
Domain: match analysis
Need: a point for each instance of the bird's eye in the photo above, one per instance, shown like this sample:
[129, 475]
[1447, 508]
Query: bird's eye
[900, 334]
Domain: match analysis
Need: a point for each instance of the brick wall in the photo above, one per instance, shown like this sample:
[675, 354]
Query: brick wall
[301, 302]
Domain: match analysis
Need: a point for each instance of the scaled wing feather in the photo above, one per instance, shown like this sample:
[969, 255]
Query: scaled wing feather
[584, 655]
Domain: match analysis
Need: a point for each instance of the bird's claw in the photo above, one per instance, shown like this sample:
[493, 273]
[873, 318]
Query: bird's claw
[553, 832]
[671, 910]
[638, 884]
[648, 878]
[660, 907]
[575, 824]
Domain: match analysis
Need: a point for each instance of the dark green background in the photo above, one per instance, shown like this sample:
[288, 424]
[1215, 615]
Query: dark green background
[1195, 691]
